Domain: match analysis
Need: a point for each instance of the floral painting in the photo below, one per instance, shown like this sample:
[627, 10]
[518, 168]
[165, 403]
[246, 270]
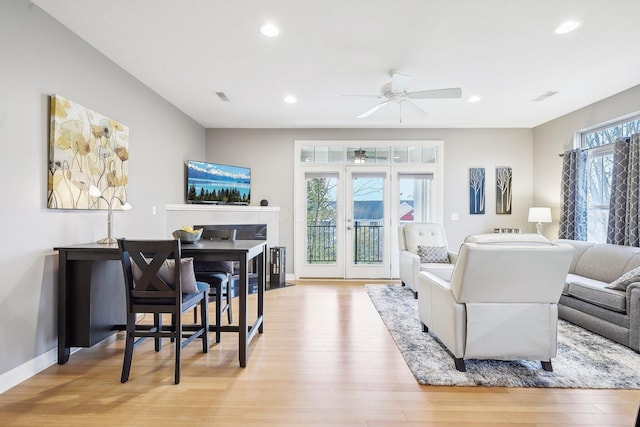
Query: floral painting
[86, 149]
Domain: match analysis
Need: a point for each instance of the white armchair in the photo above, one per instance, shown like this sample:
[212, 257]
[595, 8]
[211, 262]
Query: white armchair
[500, 301]
[415, 234]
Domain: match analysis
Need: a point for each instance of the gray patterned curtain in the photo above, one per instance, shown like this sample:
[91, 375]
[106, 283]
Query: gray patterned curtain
[573, 216]
[624, 206]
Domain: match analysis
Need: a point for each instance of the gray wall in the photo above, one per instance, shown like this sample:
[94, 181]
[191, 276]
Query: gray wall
[41, 57]
[269, 153]
[556, 136]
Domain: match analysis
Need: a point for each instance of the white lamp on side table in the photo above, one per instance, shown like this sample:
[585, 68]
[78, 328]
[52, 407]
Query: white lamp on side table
[539, 215]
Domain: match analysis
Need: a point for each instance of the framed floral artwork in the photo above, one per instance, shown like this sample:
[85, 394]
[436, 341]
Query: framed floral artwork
[86, 149]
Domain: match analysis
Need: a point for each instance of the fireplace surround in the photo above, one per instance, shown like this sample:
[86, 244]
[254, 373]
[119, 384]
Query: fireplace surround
[179, 215]
[243, 231]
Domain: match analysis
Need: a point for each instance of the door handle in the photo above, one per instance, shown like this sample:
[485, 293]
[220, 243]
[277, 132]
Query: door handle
[349, 227]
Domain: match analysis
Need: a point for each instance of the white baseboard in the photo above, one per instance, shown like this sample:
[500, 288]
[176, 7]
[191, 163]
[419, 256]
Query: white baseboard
[28, 369]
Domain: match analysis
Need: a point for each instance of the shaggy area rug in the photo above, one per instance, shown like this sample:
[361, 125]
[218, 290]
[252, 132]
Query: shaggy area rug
[584, 359]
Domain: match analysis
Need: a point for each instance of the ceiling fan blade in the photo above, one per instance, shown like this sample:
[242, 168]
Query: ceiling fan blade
[415, 107]
[372, 110]
[454, 92]
[360, 95]
[399, 82]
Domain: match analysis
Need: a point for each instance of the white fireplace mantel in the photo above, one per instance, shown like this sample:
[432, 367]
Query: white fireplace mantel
[221, 208]
[179, 215]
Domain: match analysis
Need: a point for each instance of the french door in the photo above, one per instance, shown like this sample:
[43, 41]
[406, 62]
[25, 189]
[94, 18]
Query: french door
[367, 222]
[349, 201]
[320, 230]
[347, 223]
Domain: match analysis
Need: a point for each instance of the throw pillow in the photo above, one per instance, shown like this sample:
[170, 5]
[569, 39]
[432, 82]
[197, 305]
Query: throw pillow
[625, 280]
[166, 273]
[433, 254]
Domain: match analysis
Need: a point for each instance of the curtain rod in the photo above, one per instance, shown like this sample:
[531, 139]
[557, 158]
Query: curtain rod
[626, 138]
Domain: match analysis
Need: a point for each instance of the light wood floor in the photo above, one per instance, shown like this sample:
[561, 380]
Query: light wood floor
[325, 358]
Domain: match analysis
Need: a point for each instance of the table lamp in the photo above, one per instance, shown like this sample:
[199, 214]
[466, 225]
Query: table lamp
[539, 215]
[95, 192]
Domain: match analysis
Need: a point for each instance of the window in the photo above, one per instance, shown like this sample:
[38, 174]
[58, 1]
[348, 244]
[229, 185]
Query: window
[415, 195]
[599, 143]
[379, 154]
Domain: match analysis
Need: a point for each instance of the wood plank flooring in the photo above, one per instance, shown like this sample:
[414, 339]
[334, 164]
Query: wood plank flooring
[325, 359]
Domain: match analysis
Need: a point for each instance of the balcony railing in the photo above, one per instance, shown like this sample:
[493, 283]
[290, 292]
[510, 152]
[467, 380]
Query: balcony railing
[321, 244]
[368, 244]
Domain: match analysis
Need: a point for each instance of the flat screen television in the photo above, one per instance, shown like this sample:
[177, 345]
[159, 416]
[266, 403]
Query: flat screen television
[218, 184]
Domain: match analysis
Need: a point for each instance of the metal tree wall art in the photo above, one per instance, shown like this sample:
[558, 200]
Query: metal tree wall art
[503, 190]
[476, 190]
[85, 149]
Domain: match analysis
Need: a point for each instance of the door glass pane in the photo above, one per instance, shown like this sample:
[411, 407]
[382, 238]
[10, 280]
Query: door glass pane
[429, 155]
[400, 154]
[321, 219]
[415, 192]
[382, 155]
[368, 219]
[362, 155]
[306, 155]
[322, 154]
[336, 155]
[414, 155]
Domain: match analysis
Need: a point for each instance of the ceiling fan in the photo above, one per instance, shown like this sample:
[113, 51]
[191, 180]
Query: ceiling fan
[370, 154]
[396, 91]
[360, 156]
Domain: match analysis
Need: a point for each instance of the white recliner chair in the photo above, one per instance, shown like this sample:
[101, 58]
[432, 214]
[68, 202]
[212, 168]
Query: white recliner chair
[428, 235]
[500, 301]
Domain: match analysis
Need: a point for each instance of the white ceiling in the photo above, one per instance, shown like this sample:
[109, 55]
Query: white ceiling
[504, 51]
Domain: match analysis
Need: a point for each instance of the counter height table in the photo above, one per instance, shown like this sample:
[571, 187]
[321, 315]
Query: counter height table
[91, 293]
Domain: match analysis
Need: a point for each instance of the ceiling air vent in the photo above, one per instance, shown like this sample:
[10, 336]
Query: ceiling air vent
[545, 95]
[222, 96]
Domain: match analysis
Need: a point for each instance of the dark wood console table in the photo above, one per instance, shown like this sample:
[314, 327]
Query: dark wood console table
[91, 298]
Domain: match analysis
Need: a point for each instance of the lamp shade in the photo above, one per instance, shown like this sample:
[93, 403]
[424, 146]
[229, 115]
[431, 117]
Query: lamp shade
[537, 214]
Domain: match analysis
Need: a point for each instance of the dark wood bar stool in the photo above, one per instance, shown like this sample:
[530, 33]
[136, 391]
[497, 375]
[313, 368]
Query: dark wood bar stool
[218, 275]
[159, 281]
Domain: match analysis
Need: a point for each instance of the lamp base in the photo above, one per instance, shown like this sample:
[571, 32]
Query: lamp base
[107, 241]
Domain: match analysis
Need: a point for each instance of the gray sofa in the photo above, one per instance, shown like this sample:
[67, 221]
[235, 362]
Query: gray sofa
[599, 296]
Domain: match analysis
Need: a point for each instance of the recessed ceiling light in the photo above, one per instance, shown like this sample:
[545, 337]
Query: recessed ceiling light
[567, 27]
[269, 30]
[290, 99]
[474, 98]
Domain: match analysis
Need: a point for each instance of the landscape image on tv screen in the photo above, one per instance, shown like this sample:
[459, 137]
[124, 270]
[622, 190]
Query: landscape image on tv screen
[216, 183]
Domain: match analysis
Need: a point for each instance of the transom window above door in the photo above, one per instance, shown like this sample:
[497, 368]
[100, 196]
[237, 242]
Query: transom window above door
[368, 155]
